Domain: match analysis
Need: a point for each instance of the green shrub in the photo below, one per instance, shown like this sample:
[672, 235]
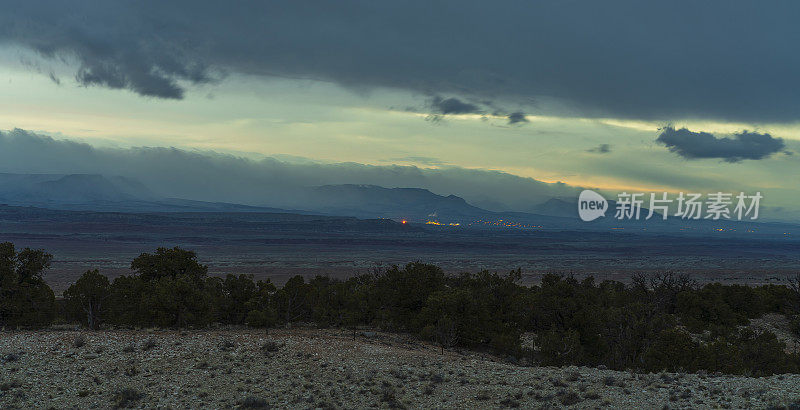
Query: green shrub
[707, 309]
[645, 325]
[25, 298]
[672, 350]
[125, 398]
[558, 348]
[794, 325]
[261, 318]
[86, 300]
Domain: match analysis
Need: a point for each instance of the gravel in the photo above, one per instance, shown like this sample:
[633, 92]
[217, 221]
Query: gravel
[312, 368]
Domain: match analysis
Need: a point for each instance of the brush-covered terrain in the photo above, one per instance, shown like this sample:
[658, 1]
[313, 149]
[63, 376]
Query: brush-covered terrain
[313, 368]
[400, 336]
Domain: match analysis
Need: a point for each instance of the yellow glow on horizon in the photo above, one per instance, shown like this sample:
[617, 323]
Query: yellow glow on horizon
[326, 123]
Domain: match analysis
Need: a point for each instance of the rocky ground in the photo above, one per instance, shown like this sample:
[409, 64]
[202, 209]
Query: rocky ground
[307, 368]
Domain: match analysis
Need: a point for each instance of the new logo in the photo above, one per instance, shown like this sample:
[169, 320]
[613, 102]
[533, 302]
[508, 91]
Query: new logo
[591, 205]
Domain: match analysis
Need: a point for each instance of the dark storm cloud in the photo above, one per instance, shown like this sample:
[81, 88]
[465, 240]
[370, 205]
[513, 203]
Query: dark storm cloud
[516, 117]
[119, 45]
[172, 172]
[452, 105]
[729, 60]
[600, 149]
[696, 145]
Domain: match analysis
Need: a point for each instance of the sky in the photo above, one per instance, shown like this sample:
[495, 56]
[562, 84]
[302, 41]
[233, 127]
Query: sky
[505, 104]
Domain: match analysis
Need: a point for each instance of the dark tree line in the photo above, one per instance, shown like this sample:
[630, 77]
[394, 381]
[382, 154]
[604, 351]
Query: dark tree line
[659, 322]
[25, 298]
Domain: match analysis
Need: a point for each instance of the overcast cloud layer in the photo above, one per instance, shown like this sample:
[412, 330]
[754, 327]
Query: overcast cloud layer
[726, 60]
[211, 176]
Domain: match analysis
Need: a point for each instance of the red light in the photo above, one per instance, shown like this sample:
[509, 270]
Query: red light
[403, 221]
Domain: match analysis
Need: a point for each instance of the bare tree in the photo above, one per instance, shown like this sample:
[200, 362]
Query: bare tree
[446, 332]
[663, 288]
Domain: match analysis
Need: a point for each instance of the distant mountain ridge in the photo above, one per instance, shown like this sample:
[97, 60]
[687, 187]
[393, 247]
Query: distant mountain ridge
[91, 192]
[71, 188]
[556, 207]
[83, 187]
[376, 201]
